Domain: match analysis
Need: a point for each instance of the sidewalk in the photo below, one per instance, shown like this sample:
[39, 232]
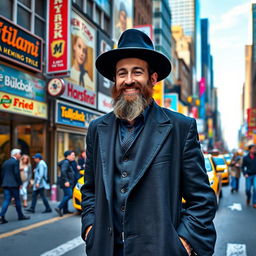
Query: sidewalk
[36, 217]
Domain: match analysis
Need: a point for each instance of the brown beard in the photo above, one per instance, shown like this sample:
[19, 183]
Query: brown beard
[130, 107]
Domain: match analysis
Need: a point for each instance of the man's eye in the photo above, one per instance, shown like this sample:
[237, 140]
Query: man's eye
[121, 74]
[137, 73]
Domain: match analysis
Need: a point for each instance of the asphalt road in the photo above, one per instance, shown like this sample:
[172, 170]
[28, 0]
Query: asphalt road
[50, 235]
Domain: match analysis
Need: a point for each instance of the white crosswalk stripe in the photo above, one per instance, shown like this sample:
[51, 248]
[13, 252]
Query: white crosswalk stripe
[64, 248]
[236, 250]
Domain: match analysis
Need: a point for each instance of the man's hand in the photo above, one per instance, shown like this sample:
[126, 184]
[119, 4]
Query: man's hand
[87, 232]
[37, 185]
[67, 184]
[186, 245]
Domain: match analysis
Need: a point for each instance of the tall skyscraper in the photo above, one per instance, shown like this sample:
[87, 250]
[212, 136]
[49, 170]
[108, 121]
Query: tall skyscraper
[186, 13]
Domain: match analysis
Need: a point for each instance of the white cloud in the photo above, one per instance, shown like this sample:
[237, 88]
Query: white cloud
[231, 18]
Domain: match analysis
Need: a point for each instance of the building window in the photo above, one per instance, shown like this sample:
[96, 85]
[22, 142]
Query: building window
[89, 8]
[24, 17]
[6, 8]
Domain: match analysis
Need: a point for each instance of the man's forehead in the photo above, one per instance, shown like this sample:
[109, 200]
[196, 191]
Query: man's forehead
[131, 63]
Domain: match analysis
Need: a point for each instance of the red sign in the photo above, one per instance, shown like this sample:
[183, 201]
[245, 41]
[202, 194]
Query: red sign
[251, 118]
[58, 31]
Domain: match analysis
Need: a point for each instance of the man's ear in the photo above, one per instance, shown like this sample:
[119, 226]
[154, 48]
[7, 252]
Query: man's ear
[153, 78]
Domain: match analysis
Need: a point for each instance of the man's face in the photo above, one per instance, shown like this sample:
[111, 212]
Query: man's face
[252, 150]
[132, 79]
[80, 51]
[37, 160]
[18, 156]
[71, 157]
[133, 88]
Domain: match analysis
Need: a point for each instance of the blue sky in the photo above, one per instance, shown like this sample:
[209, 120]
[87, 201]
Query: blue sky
[229, 33]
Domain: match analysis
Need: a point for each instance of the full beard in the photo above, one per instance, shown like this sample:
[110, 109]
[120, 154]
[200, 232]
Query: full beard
[130, 107]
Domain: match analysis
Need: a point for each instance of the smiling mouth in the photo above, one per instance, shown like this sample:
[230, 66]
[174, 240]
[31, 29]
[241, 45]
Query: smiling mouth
[130, 91]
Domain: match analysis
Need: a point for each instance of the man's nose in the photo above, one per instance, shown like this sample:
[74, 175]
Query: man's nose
[129, 81]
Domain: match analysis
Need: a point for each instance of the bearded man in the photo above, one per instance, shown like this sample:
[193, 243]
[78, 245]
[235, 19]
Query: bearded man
[141, 160]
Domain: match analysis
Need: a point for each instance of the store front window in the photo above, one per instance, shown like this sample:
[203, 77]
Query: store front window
[4, 143]
[69, 141]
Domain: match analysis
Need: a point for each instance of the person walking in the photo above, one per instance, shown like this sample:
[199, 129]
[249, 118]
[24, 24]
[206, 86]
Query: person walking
[141, 160]
[235, 170]
[249, 171]
[67, 181]
[40, 184]
[11, 183]
[25, 174]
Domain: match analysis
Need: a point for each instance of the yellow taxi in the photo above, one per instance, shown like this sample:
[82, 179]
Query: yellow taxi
[77, 196]
[213, 176]
[221, 167]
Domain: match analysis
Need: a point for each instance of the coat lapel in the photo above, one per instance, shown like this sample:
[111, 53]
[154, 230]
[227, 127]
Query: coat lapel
[107, 132]
[157, 128]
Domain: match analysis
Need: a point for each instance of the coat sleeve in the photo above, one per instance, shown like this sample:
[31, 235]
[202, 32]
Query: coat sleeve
[88, 189]
[40, 173]
[196, 224]
[16, 168]
[64, 171]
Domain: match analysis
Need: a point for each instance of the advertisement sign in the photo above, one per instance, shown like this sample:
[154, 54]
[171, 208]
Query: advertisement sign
[69, 114]
[20, 105]
[82, 50]
[20, 46]
[251, 118]
[158, 94]
[58, 36]
[19, 83]
[147, 29]
[79, 94]
[171, 101]
[123, 17]
[104, 85]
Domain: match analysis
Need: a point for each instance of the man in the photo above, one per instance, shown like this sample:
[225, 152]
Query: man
[40, 184]
[141, 160]
[11, 183]
[249, 171]
[67, 181]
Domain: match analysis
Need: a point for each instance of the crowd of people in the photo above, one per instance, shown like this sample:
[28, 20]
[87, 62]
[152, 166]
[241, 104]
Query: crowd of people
[17, 176]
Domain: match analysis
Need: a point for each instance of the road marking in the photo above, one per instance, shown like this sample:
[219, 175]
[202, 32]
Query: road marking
[235, 207]
[36, 225]
[236, 250]
[64, 248]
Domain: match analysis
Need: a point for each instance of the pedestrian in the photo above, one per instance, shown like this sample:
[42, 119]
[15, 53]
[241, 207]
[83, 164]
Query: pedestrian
[40, 184]
[25, 174]
[141, 160]
[67, 181]
[235, 170]
[11, 183]
[81, 159]
[249, 171]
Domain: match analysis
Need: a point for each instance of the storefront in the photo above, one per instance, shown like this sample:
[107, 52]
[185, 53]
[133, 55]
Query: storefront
[71, 122]
[23, 112]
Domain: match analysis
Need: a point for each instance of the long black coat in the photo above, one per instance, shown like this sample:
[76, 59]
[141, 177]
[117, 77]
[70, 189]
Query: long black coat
[11, 173]
[170, 165]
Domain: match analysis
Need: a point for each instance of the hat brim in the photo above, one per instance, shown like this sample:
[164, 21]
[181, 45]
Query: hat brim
[106, 62]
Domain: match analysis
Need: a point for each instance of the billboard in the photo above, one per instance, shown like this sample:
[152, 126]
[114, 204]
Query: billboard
[58, 36]
[20, 105]
[82, 51]
[22, 84]
[20, 46]
[123, 17]
[104, 85]
[171, 101]
[251, 118]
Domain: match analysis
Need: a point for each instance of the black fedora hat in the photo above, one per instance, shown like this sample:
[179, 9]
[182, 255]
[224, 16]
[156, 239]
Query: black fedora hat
[133, 44]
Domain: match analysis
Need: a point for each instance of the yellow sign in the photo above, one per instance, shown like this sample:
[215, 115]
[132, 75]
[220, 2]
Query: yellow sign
[158, 94]
[20, 105]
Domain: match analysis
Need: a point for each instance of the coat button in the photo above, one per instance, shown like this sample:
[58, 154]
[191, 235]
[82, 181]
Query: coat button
[124, 174]
[122, 208]
[126, 158]
[110, 230]
[123, 190]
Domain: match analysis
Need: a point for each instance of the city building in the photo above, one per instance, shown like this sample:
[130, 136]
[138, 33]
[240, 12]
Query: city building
[142, 12]
[162, 33]
[186, 13]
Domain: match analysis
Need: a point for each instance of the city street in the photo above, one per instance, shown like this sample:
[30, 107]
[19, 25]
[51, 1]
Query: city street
[49, 235]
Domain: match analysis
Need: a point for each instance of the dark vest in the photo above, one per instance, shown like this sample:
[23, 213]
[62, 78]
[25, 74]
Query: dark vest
[124, 175]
